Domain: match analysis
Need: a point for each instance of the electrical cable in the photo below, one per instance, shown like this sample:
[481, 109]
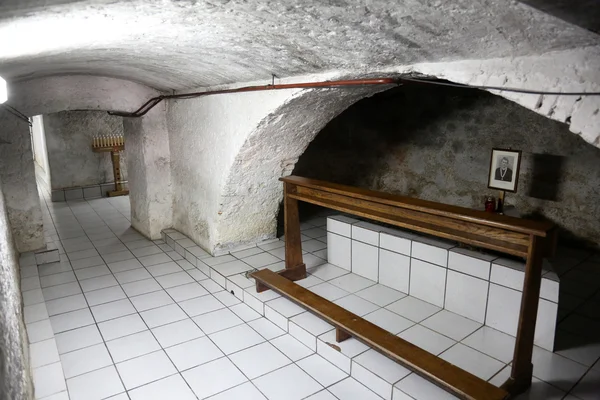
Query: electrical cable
[17, 113]
[151, 103]
[500, 88]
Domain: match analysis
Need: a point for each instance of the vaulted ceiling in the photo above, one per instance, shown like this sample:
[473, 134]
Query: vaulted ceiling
[178, 44]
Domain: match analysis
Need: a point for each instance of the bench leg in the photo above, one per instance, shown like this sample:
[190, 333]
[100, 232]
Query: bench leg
[522, 369]
[340, 335]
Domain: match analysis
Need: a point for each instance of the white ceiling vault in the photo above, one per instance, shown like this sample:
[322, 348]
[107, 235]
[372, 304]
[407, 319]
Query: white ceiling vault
[181, 44]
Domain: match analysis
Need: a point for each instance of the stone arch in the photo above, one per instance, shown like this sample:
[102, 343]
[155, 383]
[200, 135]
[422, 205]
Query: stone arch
[252, 193]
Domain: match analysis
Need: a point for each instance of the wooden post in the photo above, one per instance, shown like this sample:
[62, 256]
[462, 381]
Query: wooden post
[295, 269]
[116, 164]
[522, 368]
[293, 240]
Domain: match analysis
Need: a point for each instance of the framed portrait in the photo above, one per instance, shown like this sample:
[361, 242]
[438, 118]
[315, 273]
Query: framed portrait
[504, 169]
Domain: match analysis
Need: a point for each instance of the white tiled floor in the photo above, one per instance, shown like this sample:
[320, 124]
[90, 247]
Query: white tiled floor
[122, 317]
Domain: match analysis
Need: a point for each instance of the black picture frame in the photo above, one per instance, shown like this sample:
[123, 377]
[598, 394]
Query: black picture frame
[504, 169]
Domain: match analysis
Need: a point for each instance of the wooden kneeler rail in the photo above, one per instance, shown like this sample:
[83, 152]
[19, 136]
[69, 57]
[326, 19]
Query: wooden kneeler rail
[529, 239]
[460, 382]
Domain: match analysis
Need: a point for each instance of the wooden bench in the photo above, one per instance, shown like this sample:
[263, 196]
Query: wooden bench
[531, 240]
[448, 376]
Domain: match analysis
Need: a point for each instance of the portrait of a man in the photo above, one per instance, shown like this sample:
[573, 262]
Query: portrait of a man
[504, 169]
[504, 172]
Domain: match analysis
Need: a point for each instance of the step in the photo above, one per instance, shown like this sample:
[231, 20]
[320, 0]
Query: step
[435, 369]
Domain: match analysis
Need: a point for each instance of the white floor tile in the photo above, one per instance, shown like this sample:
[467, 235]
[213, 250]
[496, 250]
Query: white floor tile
[214, 377]
[176, 279]
[260, 260]
[493, 343]
[451, 325]
[236, 339]
[186, 292]
[85, 360]
[245, 391]
[77, 339]
[55, 292]
[34, 313]
[380, 295]
[141, 370]
[589, 387]
[288, 383]
[226, 298]
[96, 385]
[132, 275]
[128, 264]
[381, 366]
[163, 315]
[259, 360]
[32, 297]
[201, 305]
[266, 328]
[40, 330]
[550, 367]
[356, 305]
[71, 320]
[119, 327]
[322, 395]
[172, 387]
[389, 321]
[328, 271]
[419, 389]
[131, 346]
[103, 296]
[151, 300]
[427, 339]
[193, 353]
[92, 272]
[291, 347]
[311, 323]
[542, 391]
[245, 312]
[472, 361]
[43, 353]
[352, 282]
[49, 380]
[154, 259]
[350, 389]
[115, 309]
[217, 321]
[321, 370]
[177, 332]
[99, 282]
[141, 287]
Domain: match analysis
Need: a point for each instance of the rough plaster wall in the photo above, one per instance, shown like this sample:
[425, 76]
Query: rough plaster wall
[175, 44]
[149, 163]
[435, 144]
[15, 380]
[69, 137]
[40, 152]
[253, 192]
[205, 136]
[44, 96]
[567, 71]
[17, 175]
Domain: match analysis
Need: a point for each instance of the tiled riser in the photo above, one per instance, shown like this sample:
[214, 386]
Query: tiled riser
[83, 192]
[478, 286]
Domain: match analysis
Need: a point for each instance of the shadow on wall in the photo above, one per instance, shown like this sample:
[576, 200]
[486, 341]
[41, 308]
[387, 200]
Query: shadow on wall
[434, 143]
